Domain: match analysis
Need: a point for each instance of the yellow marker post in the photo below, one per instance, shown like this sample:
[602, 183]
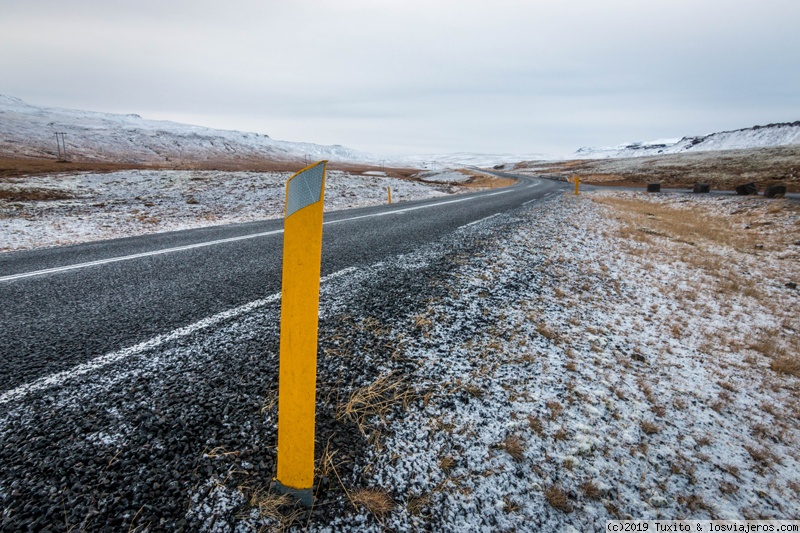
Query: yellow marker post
[302, 252]
[390, 193]
[577, 182]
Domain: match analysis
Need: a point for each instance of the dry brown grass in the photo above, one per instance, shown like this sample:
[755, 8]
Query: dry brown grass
[590, 490]
[447, 464]
[377, 398]
[514, 445]
[280, 507]
[555, 409]
[374, 500]
[649, 428]
[786, 364]
[545, 331]
[417, 504]
[32, 195]
[694, 502]
[703, 440]
[558, 498]
[761, 455]
[535, 423]
[688, 224]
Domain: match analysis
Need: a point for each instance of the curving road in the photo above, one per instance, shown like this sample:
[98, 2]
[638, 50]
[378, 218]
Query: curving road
[60, 307]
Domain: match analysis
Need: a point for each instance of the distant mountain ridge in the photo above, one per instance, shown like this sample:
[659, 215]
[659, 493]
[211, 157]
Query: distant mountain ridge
[755, 137]
[28, 131]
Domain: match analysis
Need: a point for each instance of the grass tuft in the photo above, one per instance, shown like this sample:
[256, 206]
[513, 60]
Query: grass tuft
[786, 364]
[417, 504]
[591, 491]
[376, 501]
[558, 498]
[378, 398]
[649, 428]
[515, 446]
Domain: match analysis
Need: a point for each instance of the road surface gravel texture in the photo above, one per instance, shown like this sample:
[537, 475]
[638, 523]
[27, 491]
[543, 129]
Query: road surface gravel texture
[122, 409]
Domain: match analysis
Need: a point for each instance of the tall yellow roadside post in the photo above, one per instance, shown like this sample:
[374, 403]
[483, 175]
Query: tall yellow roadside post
[577, 182]
[390, 193]
[302, 252]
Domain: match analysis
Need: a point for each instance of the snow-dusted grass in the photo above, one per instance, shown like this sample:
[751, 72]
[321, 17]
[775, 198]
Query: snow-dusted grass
[579, 371]
[134, 202]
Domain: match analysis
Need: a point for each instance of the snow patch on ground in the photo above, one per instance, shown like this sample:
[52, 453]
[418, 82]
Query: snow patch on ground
[136, 202]
[554, 370]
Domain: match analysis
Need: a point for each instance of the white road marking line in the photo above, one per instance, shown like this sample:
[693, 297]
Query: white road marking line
[481, 220]
[529, 201]
[104, 360]
[135, 256]
[220, 241]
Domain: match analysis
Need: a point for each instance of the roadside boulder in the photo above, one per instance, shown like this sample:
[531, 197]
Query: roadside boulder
[702, 187]
[746, 189]
[653, 187]
[775, 191]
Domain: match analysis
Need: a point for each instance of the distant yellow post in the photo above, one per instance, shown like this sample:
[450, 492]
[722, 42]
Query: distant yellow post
[577, 182]
[390, 193]
[302, 251]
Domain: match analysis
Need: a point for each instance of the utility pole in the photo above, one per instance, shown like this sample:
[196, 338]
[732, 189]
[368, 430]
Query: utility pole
[61, 143]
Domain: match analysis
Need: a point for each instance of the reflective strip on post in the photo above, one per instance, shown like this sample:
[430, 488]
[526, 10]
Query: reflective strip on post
[302, 252]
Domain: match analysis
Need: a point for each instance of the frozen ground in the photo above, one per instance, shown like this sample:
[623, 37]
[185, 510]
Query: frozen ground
[593, 357]
[575, 371]
[96, 206]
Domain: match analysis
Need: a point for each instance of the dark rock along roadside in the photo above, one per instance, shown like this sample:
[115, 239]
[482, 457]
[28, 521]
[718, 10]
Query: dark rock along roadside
[142, 453]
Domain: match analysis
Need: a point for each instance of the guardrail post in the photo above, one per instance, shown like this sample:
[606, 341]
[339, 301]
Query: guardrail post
[302, 252]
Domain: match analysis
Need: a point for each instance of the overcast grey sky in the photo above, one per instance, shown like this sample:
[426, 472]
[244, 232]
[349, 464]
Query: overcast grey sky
[411, 76]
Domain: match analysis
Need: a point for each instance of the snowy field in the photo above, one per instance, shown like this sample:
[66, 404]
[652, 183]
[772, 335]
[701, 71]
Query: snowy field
[98, 206]
[580, 369]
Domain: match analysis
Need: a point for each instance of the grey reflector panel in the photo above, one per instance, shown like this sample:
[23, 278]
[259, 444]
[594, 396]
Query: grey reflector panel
[305, 189]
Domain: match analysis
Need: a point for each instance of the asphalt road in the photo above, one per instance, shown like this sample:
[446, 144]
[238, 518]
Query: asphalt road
[57, 312]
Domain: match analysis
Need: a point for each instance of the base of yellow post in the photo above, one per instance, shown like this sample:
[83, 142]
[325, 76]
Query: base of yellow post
[305, 496]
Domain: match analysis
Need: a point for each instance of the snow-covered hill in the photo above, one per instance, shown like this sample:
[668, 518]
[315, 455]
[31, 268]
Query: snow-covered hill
[29, 131]
[755, 137]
